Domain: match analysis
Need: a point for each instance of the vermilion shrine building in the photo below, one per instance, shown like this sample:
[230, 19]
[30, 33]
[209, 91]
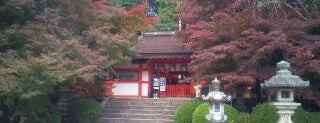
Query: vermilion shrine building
[159, 53]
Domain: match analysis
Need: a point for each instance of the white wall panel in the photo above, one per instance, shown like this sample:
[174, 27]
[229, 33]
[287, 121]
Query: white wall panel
[125, 89]
[144, 91]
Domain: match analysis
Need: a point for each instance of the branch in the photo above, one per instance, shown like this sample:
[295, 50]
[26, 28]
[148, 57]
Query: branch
[301, 15]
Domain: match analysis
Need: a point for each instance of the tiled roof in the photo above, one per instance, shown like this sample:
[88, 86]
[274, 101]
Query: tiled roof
[161, 43]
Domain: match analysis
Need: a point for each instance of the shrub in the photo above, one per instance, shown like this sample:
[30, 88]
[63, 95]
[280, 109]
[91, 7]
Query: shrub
[84, 111]
[264, 113]
[313, 117]
[202, 110]
[199, 114]
[184, 112]
[231, 112]
[243, 118]
[299, 116]
[36, 109]
[4, 116]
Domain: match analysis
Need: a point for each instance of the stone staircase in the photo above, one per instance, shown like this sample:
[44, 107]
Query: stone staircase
[141, 110]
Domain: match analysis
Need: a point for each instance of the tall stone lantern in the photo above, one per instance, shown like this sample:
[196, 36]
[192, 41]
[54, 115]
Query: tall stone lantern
[216, 100]
[284, 83]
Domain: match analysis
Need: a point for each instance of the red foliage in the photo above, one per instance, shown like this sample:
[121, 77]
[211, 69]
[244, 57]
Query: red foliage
[97, 3]
[232, 41]
[138, 12]
[93, 90]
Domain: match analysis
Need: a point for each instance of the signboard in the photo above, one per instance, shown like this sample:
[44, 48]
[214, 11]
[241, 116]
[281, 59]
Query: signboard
[145, 75]
[163, 83]
[156, 83]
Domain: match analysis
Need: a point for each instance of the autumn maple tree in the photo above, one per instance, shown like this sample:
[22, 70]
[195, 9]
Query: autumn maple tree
[48, 46]
[240, 41]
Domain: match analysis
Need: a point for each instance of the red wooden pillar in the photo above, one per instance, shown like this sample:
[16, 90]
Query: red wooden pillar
[151, 71]
[140, 81]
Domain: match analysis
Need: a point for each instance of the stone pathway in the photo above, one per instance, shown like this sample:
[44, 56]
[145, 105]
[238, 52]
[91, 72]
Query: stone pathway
[141, 110]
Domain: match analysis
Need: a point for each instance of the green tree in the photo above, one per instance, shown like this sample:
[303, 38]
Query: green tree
[125, 3]
[166, 16]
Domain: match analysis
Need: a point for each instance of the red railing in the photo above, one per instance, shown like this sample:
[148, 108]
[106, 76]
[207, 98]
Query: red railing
[109, 86]
[178, 90]
[183, 90]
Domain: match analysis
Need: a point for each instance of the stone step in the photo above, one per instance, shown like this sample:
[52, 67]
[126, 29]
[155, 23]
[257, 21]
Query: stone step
[149, 100]
[140, 107]
[162, 110]
[130, 120]
[148, 103]
[137, 116]
[138, 111]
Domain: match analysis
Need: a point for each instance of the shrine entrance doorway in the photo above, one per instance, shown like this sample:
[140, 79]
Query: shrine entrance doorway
[175, 71]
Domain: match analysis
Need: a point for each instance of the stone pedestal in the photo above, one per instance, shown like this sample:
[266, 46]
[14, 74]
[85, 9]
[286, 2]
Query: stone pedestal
[285, 110]
[216, 118]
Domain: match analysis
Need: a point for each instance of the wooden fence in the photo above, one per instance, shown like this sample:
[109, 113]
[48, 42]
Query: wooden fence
[179, 90]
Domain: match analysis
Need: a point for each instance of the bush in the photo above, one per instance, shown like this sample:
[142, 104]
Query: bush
[84, 111]
[264, 113]
[202, 110]
[4, 114]
[184, 112]
[313, 117]
[36, 109]
[231, 112]
[199, 114]
[243, 118]
[301, 116]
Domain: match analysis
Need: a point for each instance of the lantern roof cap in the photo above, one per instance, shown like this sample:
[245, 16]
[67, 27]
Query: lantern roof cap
[284, 78]
[216, 84]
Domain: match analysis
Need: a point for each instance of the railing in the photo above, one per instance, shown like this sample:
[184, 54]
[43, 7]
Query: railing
[178, 90]
[109, 86]
[183, 90]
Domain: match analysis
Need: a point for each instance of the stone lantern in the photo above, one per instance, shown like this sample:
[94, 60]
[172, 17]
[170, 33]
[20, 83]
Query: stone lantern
[216, 100]
[284, 83]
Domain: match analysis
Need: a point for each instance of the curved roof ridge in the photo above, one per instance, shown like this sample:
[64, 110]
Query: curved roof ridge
[160, 43]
